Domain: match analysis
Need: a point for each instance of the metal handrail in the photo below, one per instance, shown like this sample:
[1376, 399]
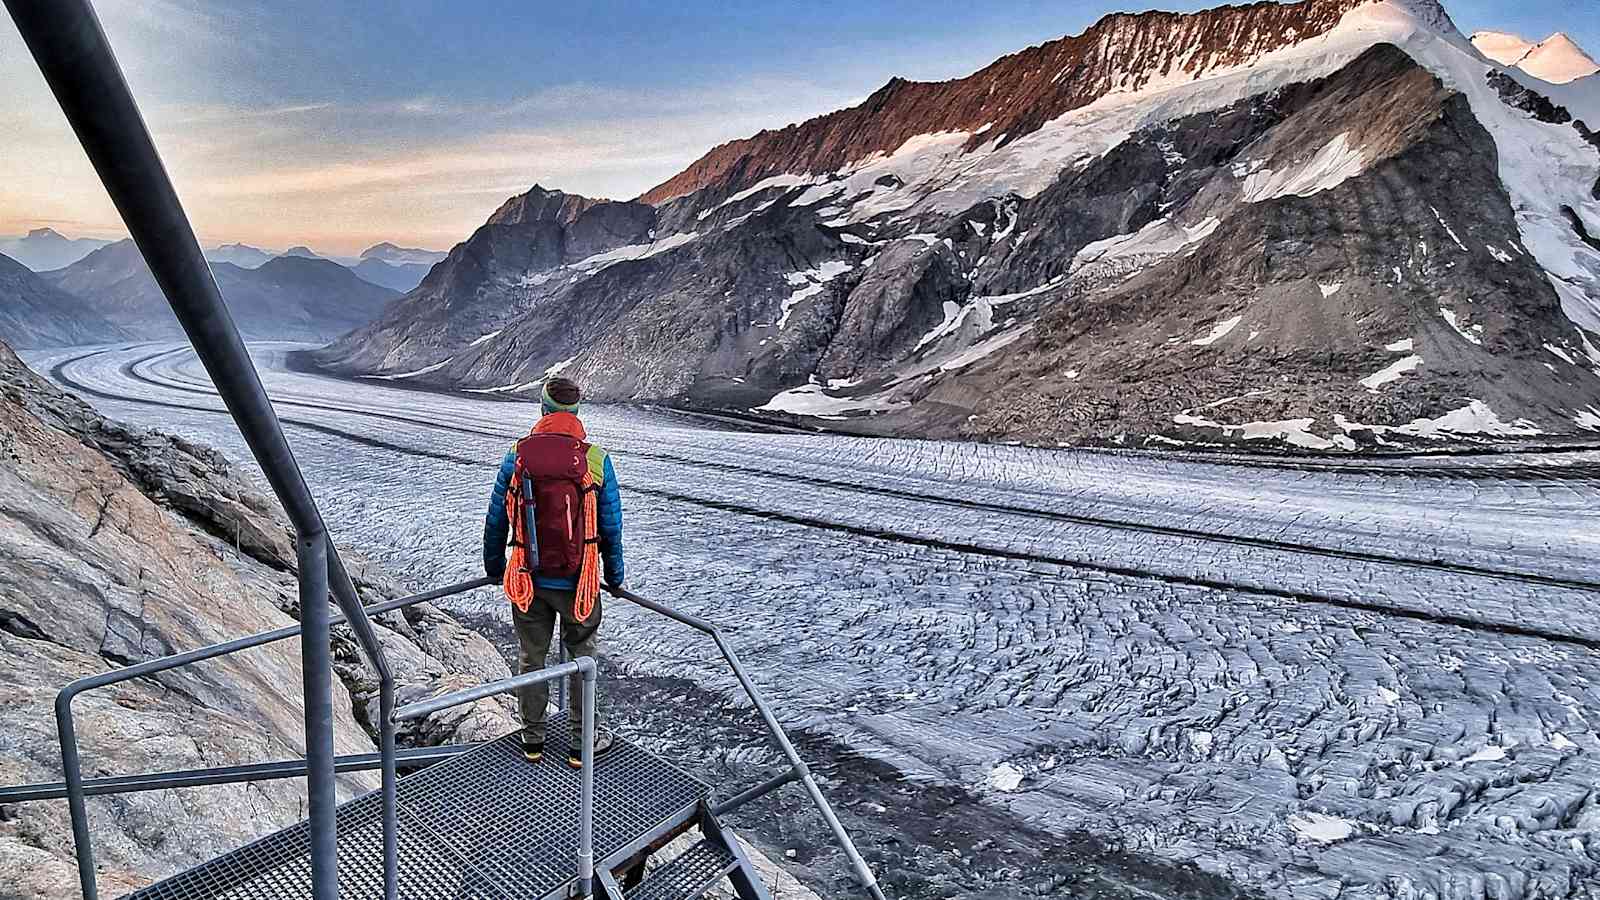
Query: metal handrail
[583, 666]
[797, 766]
[66, 727]
[416, 757]
[752, 794]
[72, 52]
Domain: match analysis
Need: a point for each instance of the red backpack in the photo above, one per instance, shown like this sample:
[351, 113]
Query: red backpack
[550, 474]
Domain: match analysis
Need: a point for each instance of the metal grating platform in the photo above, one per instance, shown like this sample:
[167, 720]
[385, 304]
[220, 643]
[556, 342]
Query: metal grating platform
[690, 875]
[485, 825]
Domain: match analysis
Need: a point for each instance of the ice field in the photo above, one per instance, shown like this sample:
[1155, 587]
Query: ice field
[1293, 673]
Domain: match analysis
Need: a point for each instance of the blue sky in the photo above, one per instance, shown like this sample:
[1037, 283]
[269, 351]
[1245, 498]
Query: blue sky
[342, 123]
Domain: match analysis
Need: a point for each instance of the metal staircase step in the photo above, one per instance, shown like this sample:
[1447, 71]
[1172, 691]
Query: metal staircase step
[696, 871]
[484, 825]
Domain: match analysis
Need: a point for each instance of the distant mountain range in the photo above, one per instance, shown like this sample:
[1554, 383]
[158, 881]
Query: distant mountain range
[402, 256]
[241, 255]
[386, 265]
[35, 313]
[43, 249]
[285, 298]
[1330, 224]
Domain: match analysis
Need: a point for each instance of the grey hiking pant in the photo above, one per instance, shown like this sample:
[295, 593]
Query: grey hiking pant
[535, 629]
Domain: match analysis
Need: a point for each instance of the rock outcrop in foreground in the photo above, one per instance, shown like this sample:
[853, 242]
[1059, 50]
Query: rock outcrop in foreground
[121, 545]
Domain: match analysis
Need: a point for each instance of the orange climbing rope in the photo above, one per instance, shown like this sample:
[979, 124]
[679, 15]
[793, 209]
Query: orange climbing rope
[589, 571]
[518, 580]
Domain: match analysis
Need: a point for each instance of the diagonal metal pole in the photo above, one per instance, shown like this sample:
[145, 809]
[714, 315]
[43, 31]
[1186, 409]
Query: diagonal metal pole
[71, 50]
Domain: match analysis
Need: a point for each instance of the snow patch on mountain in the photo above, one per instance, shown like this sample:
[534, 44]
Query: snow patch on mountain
[1448, 230]
[634, 251]
[1474, 419]
[416, 374]
[1333, 165]
[1473, 333]
[1218, 332]
[811, 400]
[979, 311]
[955, 358]
[809, 284]
[560, 367]
[1563, 355]
[1391, 372]
[1125, 254]
[1290, 431]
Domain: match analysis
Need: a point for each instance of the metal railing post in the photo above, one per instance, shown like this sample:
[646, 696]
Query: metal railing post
[73, 776]
[316, 658]
[591, 687]
[391, 791]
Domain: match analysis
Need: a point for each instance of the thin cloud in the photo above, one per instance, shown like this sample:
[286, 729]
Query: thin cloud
[424, 168]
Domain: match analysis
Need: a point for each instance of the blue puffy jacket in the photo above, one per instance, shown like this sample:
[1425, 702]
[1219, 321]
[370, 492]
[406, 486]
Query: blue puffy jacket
[497, 526]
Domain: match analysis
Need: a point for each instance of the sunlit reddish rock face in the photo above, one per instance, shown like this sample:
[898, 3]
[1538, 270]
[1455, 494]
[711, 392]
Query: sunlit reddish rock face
[1016, 94]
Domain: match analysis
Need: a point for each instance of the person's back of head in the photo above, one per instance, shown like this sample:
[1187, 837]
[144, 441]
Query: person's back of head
[560, 395]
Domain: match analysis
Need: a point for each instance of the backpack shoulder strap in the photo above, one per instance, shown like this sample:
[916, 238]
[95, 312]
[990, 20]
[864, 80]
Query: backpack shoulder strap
[596, 457]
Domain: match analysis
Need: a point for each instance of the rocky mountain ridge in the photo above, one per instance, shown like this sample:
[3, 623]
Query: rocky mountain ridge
[123, 545]
[35, 313]
[1017, 94]
[466, 293]
[1202, 248]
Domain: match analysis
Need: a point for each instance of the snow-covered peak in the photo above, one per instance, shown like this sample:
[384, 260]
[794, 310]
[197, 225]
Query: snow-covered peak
[1503, 47]
[1430, 14]
[1558, 60]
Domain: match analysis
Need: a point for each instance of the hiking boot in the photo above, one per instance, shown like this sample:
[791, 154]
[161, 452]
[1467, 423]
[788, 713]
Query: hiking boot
[532, 750]
[603, 741]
